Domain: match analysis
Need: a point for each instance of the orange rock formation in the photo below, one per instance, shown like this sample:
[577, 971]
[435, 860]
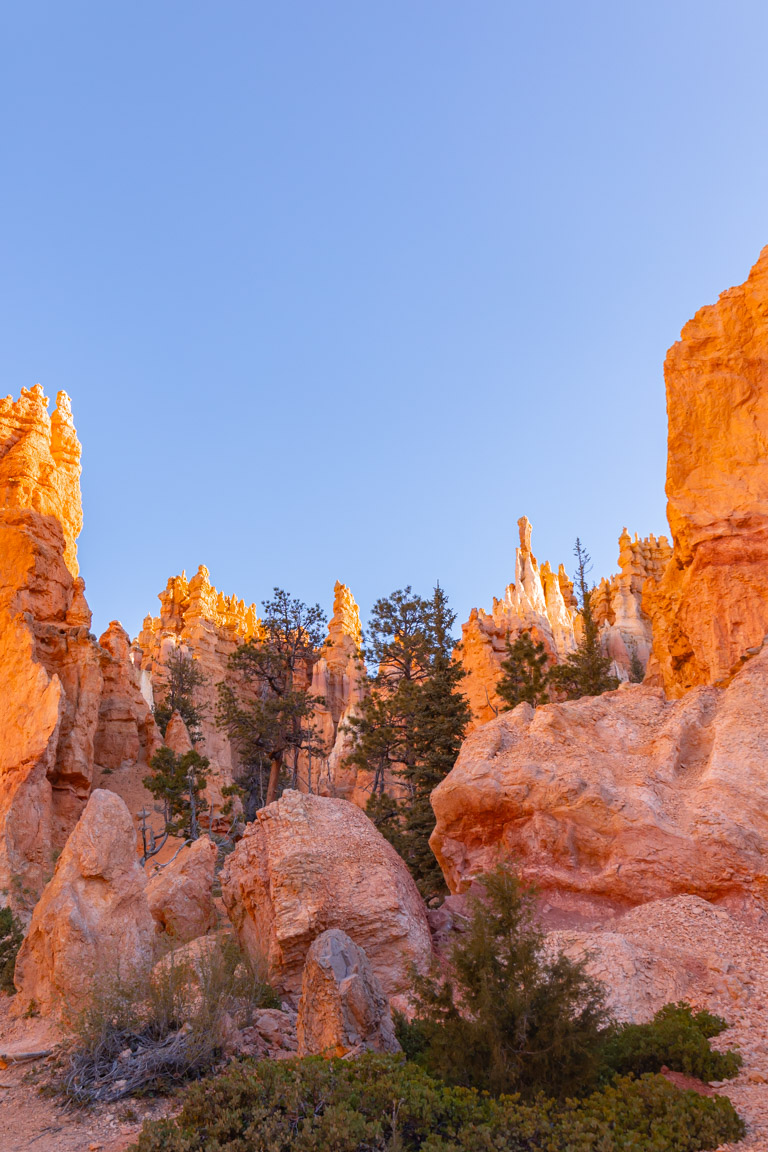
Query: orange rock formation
[543, 603]
[40, 462]
[711, 607]
[625, 797]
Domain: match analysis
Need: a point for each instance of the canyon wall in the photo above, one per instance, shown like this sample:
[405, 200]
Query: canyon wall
[711, 607]
[69, 706]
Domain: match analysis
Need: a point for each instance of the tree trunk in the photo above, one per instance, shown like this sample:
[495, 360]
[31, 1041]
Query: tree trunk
[274, 776]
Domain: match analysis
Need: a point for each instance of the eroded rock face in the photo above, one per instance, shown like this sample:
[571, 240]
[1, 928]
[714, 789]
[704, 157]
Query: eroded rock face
[627, 796]
[180, 895]
[711, 607]
[342, 1007]
[310, 863]
[127, 734]
[681, 948]
[40, 462]
[50, 687]
[93, 920]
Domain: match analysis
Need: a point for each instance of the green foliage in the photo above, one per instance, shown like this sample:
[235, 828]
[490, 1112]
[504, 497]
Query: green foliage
[178, 780]
[508, 1017]
[411, 724]
[184, 676]
[677, 1038]
[636, 670]
[381, 1104]
[524, 673]
[586, 672]
[11, 936]
[265, 704]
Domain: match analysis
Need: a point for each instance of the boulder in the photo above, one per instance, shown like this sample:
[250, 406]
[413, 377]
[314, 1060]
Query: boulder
[92, 922]
[310, 863]
[711, 605]
[180, 895]
[342, 1006]
[625, 797]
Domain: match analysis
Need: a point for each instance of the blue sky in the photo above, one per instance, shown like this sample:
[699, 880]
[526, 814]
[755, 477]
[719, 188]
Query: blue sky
[340, 290]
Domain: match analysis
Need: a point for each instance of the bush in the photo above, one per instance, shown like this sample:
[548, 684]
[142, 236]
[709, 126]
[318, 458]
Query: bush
[508, 1017]
[677, 1038]
[149, 1035]
[11, 936]
[379, 1103]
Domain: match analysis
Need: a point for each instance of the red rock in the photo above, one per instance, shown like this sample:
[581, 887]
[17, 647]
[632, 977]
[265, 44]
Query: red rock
[711, 607]
[180, 894]
[310, 863]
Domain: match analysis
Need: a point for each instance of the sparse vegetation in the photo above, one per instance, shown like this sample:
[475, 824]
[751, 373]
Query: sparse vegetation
[383, 1104]
[586, 672]
[11, 936]
[183, 677]
[149, 1035]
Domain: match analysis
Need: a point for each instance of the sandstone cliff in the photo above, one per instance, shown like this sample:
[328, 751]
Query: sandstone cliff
[711, 607]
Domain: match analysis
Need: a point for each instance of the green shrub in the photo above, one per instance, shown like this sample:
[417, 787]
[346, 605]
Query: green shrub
[508, 1017]
[11, 936]
[677, 1038]
[380, 1103]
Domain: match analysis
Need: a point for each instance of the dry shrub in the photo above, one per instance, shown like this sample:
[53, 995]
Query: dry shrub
[147, 1035]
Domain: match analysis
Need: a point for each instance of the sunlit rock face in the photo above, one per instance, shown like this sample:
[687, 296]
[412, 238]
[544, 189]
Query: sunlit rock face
[50, 673]
[543, 603]
[40, 462]
[92, 924]
[711, 607]
[624, 797]
[310, 863]
[199, 620]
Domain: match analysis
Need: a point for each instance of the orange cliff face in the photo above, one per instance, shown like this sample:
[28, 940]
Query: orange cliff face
[40, 462]
[62, 697]
[711, 607]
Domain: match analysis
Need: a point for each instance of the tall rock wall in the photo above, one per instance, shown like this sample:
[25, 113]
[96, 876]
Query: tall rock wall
[711, 606]
[65, 702]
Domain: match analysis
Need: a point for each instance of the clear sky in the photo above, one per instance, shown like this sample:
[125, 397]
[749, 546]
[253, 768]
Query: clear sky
[340, 290]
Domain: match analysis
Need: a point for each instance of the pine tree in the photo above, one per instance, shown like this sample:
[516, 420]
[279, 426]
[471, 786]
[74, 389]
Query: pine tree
[184, 676]
[178, 780]
[411, 725]
[266, 706]
[507, 1015]
[586, 672]
[524, 673]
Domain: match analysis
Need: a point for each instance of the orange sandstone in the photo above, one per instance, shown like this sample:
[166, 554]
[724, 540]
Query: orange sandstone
[711, 607]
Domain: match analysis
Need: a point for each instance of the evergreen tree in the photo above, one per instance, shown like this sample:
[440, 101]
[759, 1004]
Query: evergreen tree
[507, 1016]
[184, 675]
[178, 781]
[524, 673]
[586, 672]
[411, 725]
[266, 705]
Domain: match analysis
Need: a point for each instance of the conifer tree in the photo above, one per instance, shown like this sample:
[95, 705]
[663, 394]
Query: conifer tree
[524, 673]
[267, 706]
[184, 676]
[410, 727]
[586, 672]
[178, 780]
